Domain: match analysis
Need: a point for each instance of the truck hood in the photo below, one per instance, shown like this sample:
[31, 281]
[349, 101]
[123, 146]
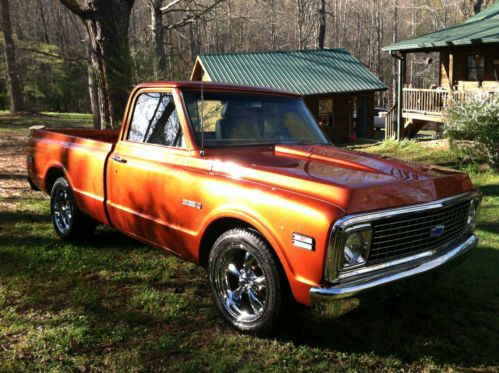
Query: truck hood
[350, 180]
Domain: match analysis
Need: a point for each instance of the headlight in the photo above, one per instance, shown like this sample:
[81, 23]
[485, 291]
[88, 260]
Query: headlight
[472, 212]
[357, 244]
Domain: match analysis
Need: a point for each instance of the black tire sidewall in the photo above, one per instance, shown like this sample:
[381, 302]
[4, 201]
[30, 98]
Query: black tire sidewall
[253, 243]
[62, 184]
[82, 226]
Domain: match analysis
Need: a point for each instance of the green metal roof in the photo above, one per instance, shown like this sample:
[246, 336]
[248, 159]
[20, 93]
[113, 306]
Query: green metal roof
[483, 28]
[307, 72]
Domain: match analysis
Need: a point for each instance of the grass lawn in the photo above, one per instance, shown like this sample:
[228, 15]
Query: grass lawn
[116, 305]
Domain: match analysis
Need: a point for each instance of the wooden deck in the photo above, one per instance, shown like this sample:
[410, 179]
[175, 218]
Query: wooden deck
[424, 105]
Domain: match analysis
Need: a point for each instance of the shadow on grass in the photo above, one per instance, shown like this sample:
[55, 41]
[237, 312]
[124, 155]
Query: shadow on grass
[13, 217]
[12, 176]
[97, 275]
[490, 190]
[489, 227]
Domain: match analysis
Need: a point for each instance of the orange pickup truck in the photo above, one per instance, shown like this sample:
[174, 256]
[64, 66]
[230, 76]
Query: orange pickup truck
[243, 182]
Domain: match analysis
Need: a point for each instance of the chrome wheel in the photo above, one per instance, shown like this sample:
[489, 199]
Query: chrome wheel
[62, 208]
[241, 284]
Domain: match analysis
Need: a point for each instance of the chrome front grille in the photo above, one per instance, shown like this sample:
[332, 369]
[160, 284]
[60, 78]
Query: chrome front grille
[408, 235]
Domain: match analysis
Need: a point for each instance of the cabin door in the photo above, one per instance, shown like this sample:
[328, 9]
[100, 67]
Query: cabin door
[362, 120]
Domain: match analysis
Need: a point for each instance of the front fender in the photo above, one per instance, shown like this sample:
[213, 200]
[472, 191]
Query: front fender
[303, 268]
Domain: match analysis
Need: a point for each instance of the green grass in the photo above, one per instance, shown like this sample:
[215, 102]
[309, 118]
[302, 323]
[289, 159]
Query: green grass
[21, 123]
[114, 304]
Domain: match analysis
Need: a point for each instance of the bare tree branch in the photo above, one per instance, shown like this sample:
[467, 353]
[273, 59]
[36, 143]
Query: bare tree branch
[168, 6]
[193, 17]
[73, 6]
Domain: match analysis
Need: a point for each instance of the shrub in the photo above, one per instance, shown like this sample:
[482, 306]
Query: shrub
[477, 120]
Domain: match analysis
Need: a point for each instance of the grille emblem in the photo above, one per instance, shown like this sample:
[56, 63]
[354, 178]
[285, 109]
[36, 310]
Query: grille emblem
[437, 231]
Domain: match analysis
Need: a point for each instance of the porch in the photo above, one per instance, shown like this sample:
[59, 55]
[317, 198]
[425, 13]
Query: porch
[420, 106]
[468, 62]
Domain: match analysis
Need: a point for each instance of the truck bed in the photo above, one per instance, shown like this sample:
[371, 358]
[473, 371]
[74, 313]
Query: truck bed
[108, 136]
[81, 154]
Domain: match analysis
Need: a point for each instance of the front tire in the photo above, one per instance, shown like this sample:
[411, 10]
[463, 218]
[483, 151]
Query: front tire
[246, 281]
[69, 222]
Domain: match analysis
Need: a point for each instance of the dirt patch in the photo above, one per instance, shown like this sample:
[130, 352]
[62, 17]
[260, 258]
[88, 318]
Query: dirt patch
[441, 144]
[13, 176]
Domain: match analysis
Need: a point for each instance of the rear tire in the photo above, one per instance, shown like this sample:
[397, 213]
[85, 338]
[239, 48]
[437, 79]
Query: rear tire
[70, 223]
[246, 281]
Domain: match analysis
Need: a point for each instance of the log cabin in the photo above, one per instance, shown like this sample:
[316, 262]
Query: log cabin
[468, 63]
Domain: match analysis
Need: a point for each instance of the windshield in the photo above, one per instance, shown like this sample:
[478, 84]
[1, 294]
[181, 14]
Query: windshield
[231, 119]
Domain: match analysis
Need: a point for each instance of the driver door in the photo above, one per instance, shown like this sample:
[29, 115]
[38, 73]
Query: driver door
[144, 172]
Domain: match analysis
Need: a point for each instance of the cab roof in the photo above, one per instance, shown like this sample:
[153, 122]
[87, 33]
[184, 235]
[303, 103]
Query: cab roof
[209, 86]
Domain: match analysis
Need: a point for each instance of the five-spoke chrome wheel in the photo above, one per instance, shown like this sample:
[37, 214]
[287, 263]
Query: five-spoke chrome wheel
[241, 283]
[246, 281]
[62, 209]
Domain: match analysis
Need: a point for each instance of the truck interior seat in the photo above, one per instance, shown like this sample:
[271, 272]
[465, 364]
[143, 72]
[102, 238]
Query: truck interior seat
[236, 123]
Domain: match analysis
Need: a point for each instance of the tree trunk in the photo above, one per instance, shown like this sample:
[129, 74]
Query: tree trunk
[44, 22]
[321, 35]
[477, 6]
[93, 91]
[273, 24]
[16, 103]
[299, 22]
[157, 30]
[107, 23]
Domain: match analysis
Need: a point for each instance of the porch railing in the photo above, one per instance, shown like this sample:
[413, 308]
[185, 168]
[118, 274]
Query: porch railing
[426, 104]
[431, 102]
[390, 123]
[424, 101]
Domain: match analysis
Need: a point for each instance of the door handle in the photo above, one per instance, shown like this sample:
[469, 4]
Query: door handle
[117, 158]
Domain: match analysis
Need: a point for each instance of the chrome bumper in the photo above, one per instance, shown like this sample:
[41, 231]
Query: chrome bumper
[342, 298]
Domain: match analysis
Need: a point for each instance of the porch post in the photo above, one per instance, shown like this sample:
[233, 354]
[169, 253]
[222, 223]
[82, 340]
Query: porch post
[400, 83]
[451, 70]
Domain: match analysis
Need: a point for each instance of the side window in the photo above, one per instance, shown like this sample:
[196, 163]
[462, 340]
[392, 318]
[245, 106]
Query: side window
[475, 65]
[155, 121]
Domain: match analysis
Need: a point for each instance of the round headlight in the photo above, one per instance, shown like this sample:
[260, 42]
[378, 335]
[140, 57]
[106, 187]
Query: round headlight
[472, 214]
[354, 249]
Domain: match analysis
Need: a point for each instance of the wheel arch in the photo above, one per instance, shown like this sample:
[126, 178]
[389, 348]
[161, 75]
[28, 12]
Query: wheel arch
[216, 228]
[224, 223]
[53, 173]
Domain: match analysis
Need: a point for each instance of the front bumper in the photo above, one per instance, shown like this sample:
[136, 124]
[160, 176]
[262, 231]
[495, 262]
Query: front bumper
[342, 298]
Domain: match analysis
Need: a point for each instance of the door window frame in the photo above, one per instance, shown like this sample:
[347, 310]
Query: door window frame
[131, 110]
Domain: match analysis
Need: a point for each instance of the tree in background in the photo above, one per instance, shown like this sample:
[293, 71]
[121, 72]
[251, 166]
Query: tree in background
[321, 34]
[107, 24]
[478, 5]
[58, 60]
[186, 12]
[14, 88]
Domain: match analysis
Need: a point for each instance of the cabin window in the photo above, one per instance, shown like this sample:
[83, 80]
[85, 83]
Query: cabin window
[476, 65]
[326, 112]
[155, 121]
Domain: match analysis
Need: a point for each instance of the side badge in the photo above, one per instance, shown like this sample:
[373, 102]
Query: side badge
[194, 204]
